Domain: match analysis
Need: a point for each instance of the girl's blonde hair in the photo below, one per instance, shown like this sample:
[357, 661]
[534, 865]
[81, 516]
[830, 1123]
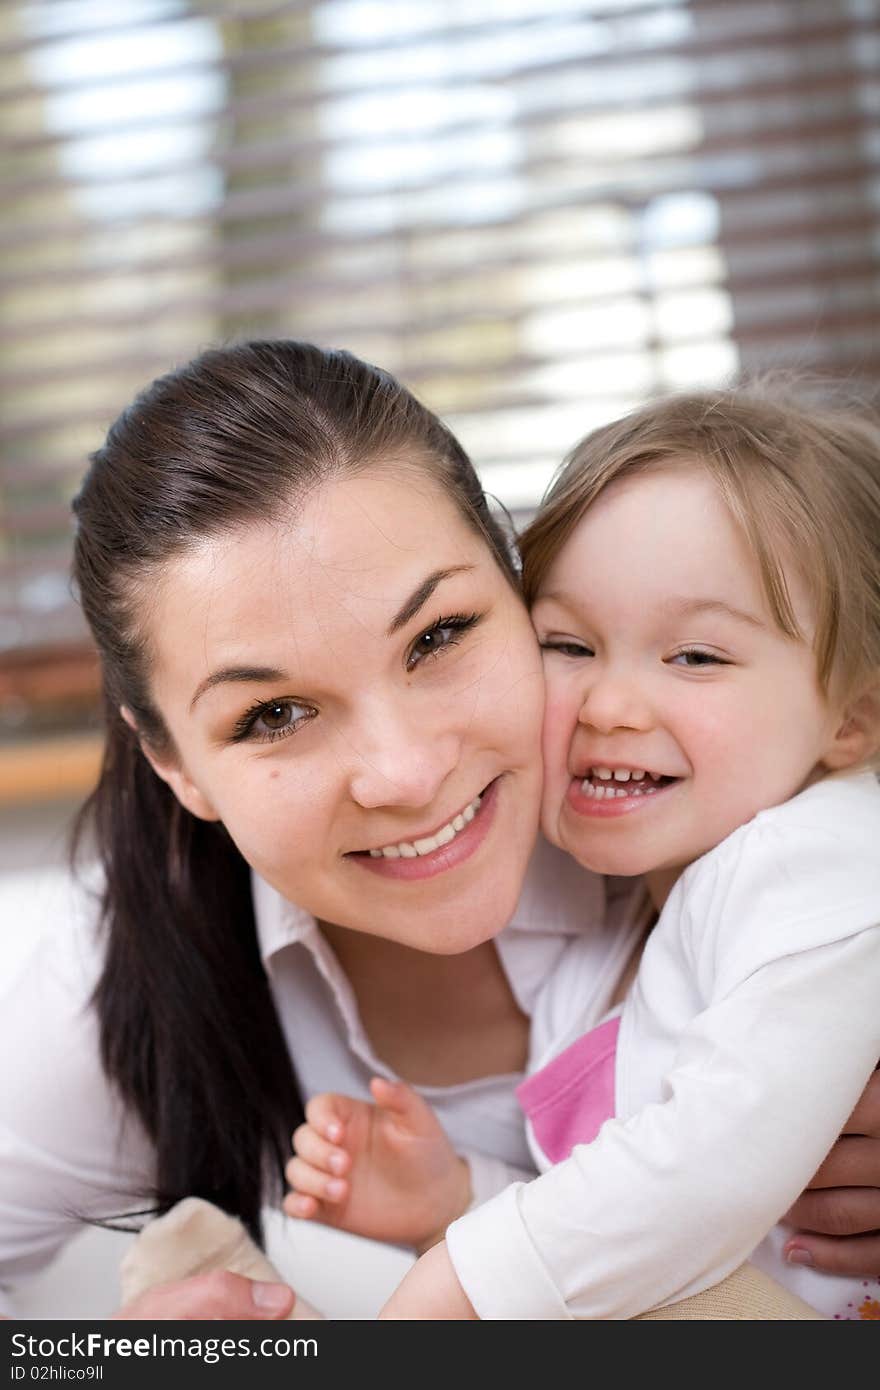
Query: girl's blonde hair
[801, 479]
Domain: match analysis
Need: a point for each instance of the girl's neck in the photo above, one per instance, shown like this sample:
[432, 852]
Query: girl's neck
[661, 883]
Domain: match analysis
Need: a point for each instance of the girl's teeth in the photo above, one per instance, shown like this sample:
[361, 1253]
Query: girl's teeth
[606, 793]
[446, 833]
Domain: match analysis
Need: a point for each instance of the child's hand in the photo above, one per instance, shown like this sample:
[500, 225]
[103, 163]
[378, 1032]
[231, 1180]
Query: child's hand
[386, 1171]
[430, 1290]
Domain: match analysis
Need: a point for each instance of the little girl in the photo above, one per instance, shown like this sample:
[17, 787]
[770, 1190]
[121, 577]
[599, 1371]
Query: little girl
[704, 579]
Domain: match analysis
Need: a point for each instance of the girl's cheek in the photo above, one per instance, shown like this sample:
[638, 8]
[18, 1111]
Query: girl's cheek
[559, 727]
[556, 744]
[551, 805]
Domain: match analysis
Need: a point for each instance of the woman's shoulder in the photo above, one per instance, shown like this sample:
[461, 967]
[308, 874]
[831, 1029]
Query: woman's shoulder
[50, 939]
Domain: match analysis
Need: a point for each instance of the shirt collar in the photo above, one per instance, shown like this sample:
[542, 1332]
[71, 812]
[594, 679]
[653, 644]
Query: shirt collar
[279, 923]
[553, 882]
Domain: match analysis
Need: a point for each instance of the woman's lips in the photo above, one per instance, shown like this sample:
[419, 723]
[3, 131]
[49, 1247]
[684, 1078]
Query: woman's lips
[466, 843]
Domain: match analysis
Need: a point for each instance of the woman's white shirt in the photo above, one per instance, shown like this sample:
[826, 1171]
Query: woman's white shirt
[69, 1150]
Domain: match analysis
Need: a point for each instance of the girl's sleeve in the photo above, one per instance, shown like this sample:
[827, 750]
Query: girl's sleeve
[669, 1201]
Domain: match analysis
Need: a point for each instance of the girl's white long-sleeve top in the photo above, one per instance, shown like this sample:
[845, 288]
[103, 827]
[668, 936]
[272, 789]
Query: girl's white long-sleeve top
[748, 1037]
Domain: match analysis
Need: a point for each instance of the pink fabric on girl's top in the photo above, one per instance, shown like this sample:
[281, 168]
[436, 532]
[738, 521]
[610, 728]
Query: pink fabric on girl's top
[570, 1099]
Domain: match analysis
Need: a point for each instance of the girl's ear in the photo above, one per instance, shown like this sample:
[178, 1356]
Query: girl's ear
[858, 736]
[174, 774]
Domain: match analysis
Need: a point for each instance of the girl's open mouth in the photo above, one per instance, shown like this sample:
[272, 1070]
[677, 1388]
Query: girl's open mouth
[604, 791]
[603, 784]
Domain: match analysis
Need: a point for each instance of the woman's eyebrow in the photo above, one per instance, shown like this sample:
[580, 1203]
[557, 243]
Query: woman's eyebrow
[250, 674]
[256, 674]
[420, 596]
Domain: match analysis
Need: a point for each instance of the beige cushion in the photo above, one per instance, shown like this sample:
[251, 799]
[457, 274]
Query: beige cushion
[195, 1237]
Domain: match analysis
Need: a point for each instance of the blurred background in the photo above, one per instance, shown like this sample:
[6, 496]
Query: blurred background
[535, 213]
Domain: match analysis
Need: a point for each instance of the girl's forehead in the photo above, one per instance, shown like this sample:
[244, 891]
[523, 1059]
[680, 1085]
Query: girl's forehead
[665, 536]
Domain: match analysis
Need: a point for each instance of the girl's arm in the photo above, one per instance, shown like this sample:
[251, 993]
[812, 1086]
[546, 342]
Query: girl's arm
[670, 1201]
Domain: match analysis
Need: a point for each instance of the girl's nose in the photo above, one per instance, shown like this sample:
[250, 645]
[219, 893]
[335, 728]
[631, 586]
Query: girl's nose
[401, 765]
[615, 700]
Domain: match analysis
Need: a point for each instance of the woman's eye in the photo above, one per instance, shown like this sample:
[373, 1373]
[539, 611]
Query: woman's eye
[695, 656]
[277, 719]
[447, 632]
[575, 649]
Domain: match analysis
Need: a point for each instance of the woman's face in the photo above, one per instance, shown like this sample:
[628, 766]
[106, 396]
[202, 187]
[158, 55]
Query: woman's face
[356, 693]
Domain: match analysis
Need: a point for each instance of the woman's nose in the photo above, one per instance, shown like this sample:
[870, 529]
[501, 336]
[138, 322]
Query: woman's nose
[615, 700]
[401, 764]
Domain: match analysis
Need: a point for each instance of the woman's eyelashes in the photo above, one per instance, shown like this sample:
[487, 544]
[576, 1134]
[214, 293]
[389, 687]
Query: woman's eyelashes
[271, 719]
[433, 641]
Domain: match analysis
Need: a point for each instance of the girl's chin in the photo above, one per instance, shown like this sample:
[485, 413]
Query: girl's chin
[597, 858]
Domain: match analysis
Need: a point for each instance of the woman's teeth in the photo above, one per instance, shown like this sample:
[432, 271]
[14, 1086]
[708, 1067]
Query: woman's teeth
[599, 782]
[411, 849]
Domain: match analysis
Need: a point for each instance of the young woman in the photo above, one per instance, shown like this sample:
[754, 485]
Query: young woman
[317, 811]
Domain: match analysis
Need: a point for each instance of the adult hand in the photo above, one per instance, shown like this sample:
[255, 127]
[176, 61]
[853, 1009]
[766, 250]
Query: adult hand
[839, 1214]
[208, 1297]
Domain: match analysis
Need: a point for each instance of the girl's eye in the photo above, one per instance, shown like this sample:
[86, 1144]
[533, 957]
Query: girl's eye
[573, 649]
[695, 656]
[271, 720]
[446, 632]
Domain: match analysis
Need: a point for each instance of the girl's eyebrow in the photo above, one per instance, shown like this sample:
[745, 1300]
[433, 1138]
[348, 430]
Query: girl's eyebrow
[419, 597]
[688, 607]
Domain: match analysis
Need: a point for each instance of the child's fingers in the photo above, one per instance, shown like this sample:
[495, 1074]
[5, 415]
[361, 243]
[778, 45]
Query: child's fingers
[304, 1208]
[308, 1145]
[401, 1100]
[311, 1182]
[328, 1113]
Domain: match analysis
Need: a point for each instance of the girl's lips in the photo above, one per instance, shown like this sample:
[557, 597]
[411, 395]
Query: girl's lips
[466, 843]
[603, 808]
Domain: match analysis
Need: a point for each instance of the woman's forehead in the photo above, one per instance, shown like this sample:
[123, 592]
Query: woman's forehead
[362, 525]
[350, 555]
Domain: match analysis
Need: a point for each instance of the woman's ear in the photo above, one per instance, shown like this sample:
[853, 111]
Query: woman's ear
[857, 737]
[174, 774]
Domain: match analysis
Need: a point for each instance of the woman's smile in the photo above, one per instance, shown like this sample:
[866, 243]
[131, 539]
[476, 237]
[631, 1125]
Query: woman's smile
[423, 856]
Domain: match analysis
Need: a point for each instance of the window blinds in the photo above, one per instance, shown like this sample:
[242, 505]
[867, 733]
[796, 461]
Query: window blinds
[535, 213]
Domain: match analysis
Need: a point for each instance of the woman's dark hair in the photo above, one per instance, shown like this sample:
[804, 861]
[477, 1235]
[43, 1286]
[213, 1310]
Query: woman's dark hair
[188, 1029]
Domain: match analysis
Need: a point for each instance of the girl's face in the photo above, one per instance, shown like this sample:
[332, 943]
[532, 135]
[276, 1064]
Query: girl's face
[356, 693]
[676, 709]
